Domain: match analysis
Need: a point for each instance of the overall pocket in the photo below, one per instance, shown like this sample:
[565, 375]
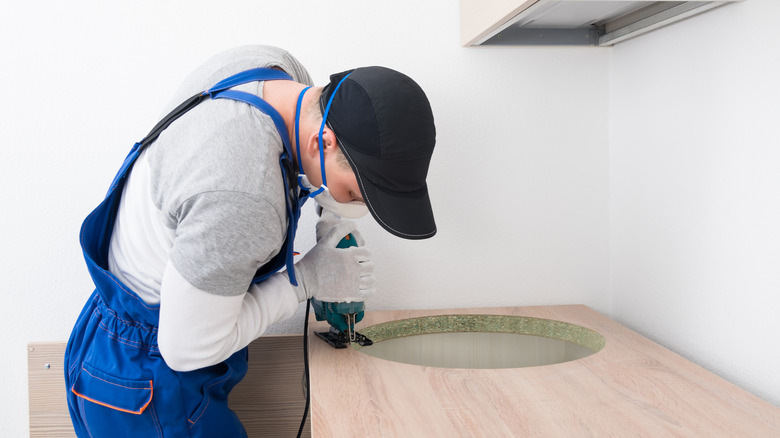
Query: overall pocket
[115, 407]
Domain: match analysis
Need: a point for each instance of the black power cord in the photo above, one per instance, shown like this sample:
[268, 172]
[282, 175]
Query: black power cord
[305, 366]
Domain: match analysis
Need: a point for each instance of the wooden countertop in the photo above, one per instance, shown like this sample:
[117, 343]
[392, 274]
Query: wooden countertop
[632, 387]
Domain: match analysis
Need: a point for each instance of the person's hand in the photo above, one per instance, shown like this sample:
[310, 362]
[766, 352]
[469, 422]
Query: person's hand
[328, 220]
[335, 274]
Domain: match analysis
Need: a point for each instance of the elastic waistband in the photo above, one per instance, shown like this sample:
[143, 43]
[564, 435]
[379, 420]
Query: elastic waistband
[123, 328]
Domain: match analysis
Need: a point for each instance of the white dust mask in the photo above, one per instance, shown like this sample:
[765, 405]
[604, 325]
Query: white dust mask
[347, 210]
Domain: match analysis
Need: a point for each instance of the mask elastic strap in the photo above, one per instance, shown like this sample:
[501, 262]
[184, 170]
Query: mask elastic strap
[322, 188]
[297, 123]
[322, 126]
[297, 138]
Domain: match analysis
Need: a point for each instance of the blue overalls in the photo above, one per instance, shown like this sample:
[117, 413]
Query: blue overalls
[117, 382]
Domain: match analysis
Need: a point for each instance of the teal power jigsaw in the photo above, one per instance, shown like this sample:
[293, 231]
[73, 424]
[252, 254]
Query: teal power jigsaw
[343, 316]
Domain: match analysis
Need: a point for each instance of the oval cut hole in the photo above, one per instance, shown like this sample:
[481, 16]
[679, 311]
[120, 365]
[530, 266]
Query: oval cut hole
[480, 341]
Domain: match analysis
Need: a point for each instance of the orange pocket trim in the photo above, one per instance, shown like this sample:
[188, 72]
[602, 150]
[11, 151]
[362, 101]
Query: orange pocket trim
[116, 408]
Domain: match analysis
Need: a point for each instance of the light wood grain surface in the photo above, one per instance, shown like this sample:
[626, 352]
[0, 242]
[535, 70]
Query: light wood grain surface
[631, 388]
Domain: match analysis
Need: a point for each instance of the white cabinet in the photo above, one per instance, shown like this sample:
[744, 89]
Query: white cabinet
[569, 22]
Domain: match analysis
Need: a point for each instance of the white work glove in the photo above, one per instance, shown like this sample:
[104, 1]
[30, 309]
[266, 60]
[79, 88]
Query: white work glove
[328, 220]
[335, 274]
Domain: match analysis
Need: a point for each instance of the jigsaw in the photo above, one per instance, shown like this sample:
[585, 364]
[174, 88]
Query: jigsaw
[342, 316]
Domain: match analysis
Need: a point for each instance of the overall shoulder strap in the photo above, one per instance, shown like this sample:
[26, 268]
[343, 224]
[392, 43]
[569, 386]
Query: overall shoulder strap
[222, 90]
[97, 227]
[255, 74]
[252, 75]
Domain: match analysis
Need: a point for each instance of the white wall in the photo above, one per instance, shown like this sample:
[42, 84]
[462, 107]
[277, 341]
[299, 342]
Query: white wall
[519, 179]
[695, 191]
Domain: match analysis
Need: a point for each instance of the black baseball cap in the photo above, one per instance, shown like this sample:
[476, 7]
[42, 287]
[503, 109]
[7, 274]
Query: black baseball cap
[384, 126]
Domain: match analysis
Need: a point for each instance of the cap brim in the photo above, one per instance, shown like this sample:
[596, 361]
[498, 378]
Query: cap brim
[408, 215]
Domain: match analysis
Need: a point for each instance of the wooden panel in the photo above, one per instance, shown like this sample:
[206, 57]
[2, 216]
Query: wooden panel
[480, 17]
[632, 387]
[269, 401]
[46, 390]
